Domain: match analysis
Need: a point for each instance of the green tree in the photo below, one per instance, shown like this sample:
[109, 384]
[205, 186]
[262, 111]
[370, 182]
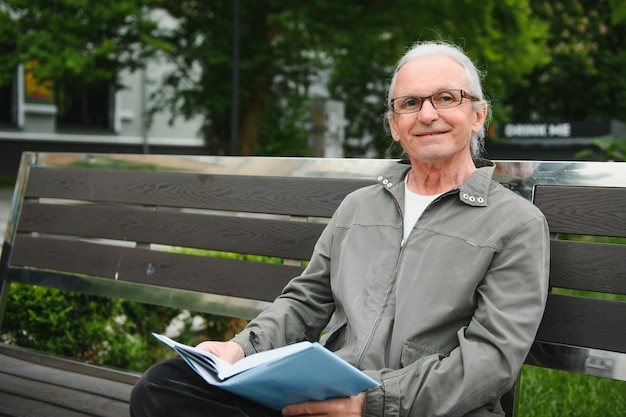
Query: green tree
[348, 47]
[584, 78]
[498, 35]
[280, 48]
[290, 54]
[76, 40]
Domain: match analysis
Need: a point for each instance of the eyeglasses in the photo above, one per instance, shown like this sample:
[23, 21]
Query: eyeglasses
[443, 99]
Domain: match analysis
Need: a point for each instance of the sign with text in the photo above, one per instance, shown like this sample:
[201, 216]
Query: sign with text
[556, 130]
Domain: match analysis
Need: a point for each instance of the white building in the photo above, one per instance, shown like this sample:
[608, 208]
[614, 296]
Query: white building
[95, 118]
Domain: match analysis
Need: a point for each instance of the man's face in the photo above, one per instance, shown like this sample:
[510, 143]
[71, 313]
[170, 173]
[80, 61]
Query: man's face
[435, 135]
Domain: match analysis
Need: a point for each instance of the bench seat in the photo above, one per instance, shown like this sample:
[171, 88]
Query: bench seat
[33, 384]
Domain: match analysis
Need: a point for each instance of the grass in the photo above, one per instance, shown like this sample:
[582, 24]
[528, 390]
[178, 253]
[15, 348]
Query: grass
[552, 393]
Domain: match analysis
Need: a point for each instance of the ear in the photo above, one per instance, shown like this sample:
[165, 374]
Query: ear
[480, 117]
[393, 128]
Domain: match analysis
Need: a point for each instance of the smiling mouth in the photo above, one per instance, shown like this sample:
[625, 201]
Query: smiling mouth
[431, 134]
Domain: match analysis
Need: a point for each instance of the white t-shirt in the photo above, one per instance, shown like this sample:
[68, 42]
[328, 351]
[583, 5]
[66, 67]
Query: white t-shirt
[414, 206]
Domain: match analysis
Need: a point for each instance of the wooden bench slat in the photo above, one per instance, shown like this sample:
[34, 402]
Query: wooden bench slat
[597, 211]
[588, 266]
[34, 389]
[278, 195]
[19, 406]
[77, 377]
[252, 280]
[266, 237]
[60, 255]
[67, 401]
[44, 361]
[586, 322]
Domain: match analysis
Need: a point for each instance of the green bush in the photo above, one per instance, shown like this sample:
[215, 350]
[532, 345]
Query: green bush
[96, 329]
[605, 148]
[89, 328]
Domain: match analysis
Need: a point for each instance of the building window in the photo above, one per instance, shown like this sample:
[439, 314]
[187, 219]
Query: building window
[8, 89]
[84, 107]
[8, 103]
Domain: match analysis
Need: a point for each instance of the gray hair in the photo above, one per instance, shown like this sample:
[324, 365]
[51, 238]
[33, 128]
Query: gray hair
[432, 48]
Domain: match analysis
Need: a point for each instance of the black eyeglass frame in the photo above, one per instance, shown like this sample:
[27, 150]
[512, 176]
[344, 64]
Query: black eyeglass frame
[462, 93]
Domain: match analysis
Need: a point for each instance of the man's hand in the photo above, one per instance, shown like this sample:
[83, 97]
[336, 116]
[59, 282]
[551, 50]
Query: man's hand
[335, 407]
[231, 352]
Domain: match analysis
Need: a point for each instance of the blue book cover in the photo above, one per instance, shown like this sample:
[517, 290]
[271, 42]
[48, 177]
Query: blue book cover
[304, 371]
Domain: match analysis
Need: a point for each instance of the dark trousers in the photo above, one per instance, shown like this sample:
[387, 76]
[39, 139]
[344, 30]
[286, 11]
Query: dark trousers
[171, 388]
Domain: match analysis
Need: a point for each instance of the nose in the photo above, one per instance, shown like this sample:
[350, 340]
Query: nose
[427, 113]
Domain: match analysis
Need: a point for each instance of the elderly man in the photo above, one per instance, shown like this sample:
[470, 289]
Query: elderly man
[422, 281]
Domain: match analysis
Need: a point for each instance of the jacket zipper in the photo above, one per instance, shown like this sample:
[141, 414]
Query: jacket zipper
[385, 302]
[394, 276]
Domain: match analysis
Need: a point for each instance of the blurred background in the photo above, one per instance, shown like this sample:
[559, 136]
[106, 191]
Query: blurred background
[299, 78]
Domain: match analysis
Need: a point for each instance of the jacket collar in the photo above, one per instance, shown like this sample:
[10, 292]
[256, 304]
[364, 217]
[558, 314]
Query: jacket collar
[474, 191]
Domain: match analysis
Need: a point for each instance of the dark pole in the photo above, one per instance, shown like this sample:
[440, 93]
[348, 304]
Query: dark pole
[234, 116]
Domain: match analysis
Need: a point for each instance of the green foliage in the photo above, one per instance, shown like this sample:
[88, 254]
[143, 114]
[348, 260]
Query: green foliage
[94, 329]
[348, 48]
[619, 11]
[99, 330]
[610, 149]
[583, 79]
[76, 40]
[551, 393]
[499, 35]
[540, 58]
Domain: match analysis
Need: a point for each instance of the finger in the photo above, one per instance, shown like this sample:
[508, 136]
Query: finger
[309, 408]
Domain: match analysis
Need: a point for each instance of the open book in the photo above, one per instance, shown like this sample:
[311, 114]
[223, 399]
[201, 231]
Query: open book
[303, 371]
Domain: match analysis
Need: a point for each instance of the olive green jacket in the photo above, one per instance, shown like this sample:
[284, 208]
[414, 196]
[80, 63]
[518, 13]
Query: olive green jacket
[444, 320]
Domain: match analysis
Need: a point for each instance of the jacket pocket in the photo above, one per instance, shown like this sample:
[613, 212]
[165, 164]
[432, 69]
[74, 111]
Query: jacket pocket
[335, 339]
[412, 352]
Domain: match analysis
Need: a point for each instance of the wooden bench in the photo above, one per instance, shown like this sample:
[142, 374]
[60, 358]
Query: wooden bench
[101, 224]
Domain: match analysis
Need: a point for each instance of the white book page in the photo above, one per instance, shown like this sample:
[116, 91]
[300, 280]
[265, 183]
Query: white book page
[215, 362]
[260, 358]
[224, 369]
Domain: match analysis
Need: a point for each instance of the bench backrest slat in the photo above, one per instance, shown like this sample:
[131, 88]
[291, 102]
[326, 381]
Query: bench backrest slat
[586, 266]
[275, 195]
[583, 210]
[267, 237]
[587, 322]
[262, 281]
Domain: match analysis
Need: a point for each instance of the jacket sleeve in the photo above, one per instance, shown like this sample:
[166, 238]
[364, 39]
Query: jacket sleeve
[492, 347]
[301, 311]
